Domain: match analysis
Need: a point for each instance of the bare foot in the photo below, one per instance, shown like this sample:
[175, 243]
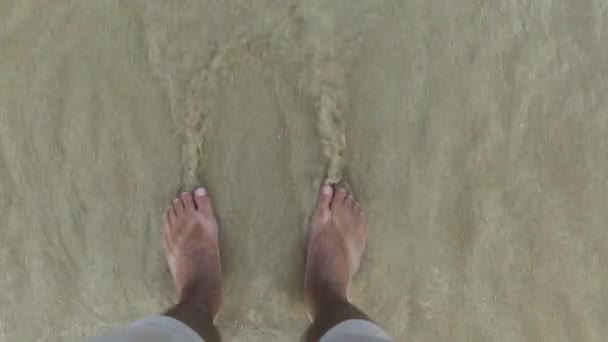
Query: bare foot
[336, 243]
[190, 243]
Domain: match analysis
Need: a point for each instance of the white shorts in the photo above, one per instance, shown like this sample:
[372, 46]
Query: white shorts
[166, 329]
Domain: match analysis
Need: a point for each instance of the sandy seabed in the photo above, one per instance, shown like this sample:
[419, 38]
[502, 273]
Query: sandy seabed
[474, 132]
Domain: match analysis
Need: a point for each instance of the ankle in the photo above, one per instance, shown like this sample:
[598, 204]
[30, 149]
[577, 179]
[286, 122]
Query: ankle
[330, 309]
[324, 294]
[197, 317]
[196, 298]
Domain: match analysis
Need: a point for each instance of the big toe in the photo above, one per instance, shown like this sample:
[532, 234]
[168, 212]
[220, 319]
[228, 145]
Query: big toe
[325, 196]
[203, 202]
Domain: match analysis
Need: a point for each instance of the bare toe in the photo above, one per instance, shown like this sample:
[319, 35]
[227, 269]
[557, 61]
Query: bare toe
[339, 198]
[168, 219]
[171, 214]
[349, 201]
[325, 196]
[187, 201]
[357, 209]
[203, 203]
[178, 206]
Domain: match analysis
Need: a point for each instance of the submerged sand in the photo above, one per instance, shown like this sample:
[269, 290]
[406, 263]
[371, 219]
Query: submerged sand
[475, 133]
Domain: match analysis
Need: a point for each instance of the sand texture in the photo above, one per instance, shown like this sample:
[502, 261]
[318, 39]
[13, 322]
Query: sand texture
[474, 132]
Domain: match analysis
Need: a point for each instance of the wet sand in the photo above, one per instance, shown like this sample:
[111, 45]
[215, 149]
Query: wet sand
[474, 133]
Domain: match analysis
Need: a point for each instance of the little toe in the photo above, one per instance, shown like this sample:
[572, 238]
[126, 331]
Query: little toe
[165, 217]
[349, 201]
[166, 226]
[357, 208]
[187, 200]
[171, 215]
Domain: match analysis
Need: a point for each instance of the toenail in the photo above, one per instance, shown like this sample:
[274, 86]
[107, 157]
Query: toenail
[176, 200]
[342, 190]
[326, 189]
[200, 191]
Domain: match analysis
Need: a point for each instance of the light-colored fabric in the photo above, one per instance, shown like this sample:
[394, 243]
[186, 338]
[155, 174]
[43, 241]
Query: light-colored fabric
[167, 329]
[153, 329]
[356, 330]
